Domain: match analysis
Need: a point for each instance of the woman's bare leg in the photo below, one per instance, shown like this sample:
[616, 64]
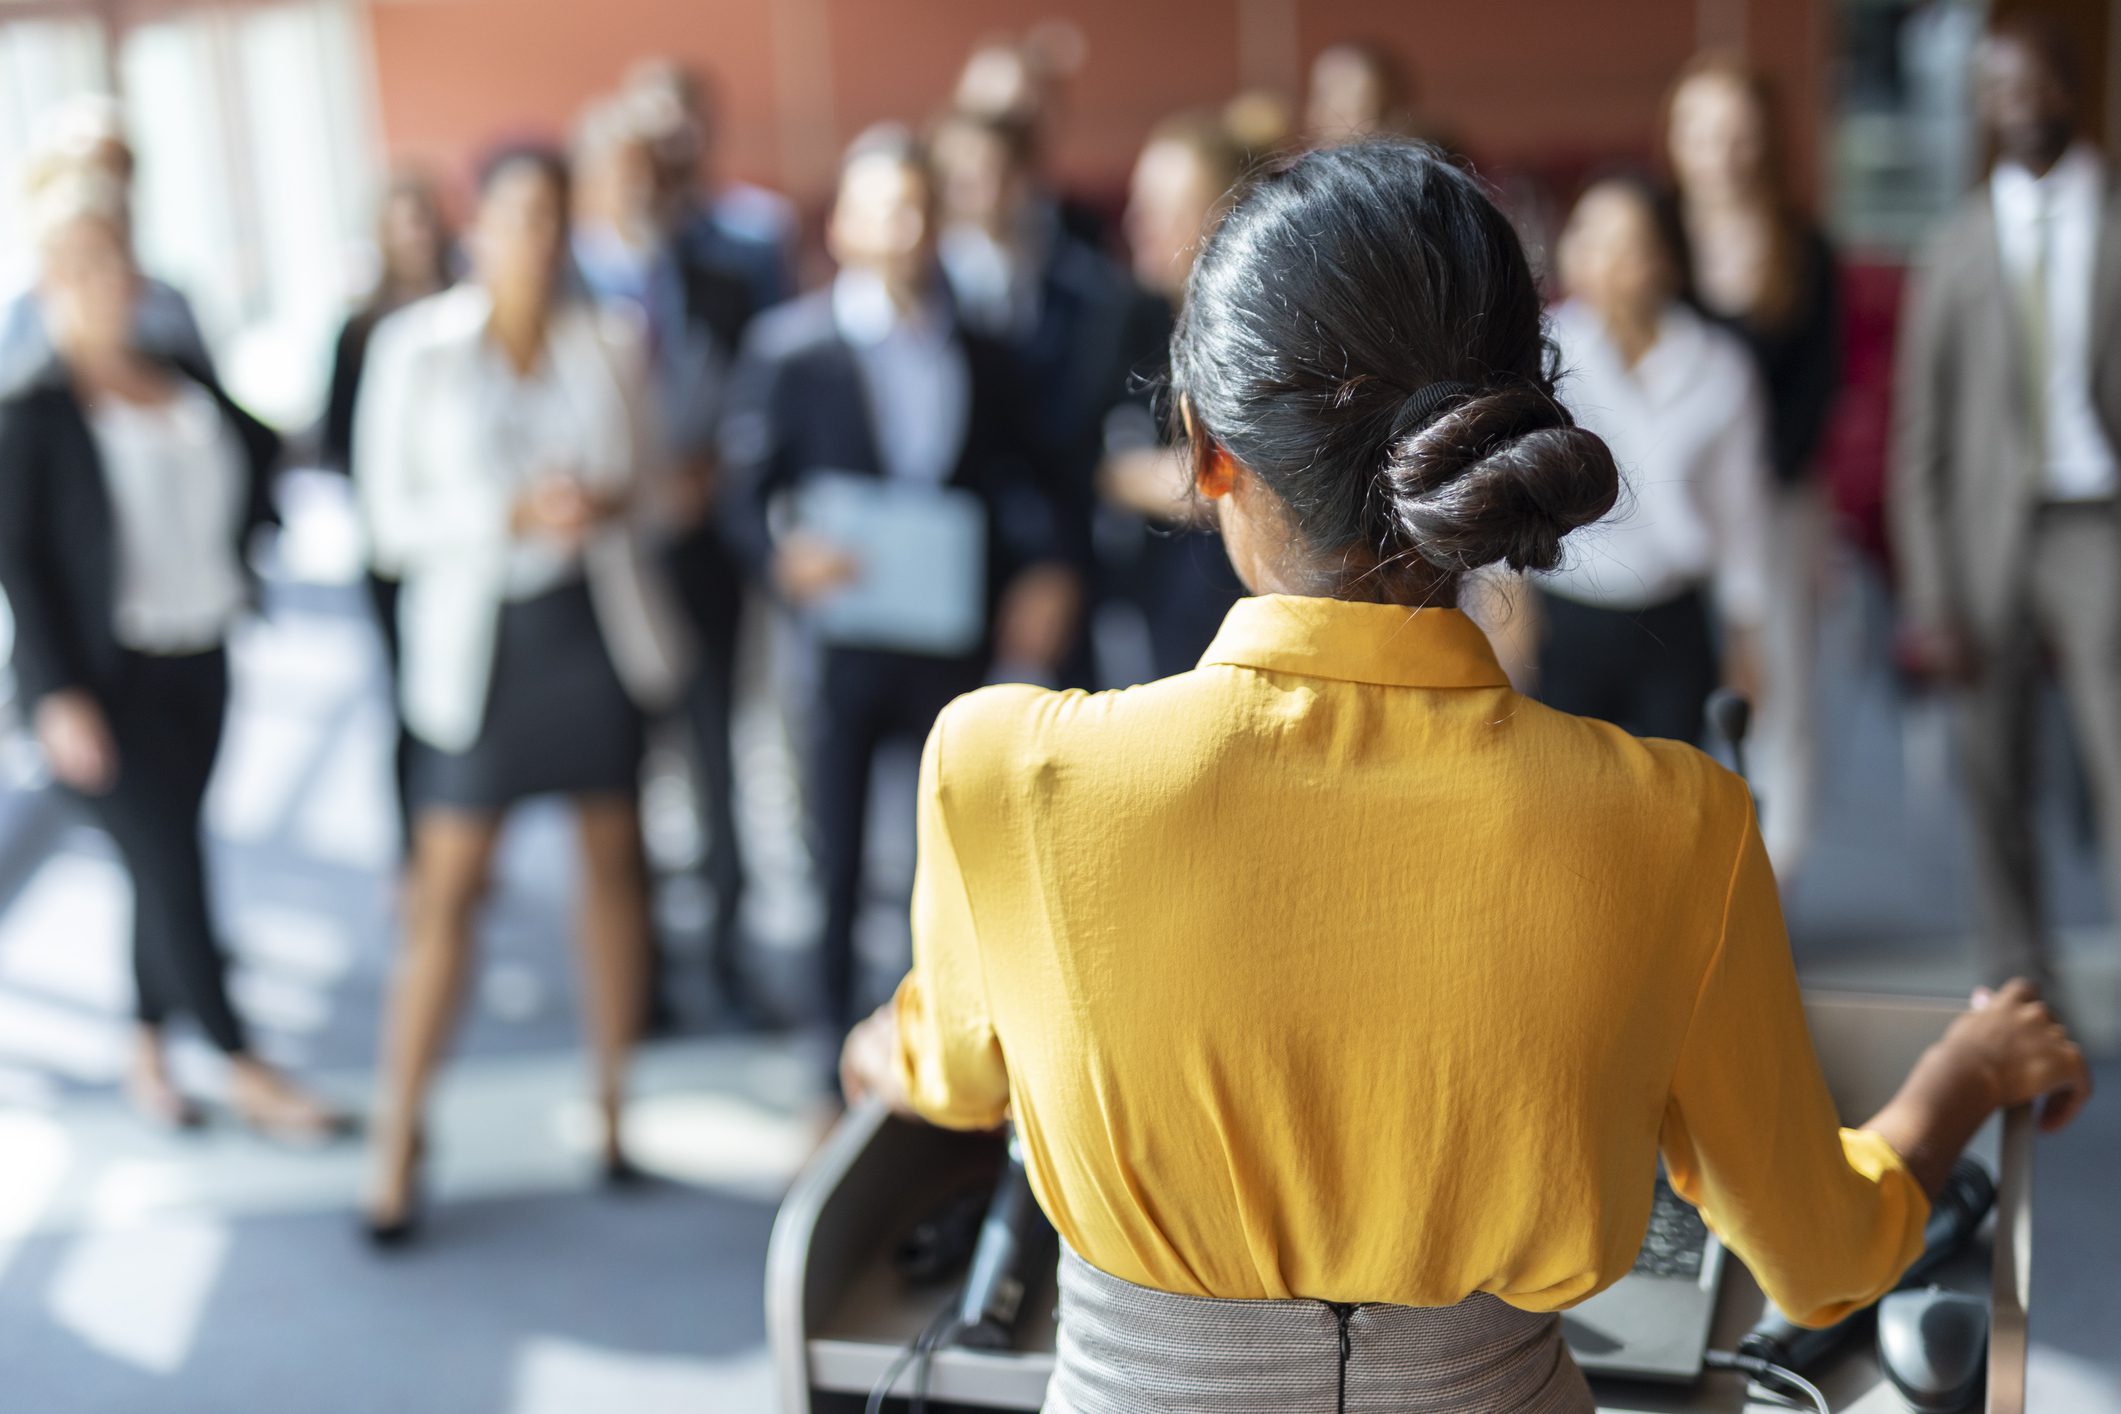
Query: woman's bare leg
[614, 946]
[451, 859]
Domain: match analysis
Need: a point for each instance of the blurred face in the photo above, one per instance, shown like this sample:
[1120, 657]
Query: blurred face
[1000, 79]
[87, 287]
[2025, 100]
[1348, 97]
[1718, 138]
[881, 221]
[1611, 256]
[979, 183]
[1172, 198]
[412, 240]
[519, 235]
[632, 185]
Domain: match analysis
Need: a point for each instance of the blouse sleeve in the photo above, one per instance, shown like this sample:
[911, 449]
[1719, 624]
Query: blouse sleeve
[949, 1059]
[1826, 1218]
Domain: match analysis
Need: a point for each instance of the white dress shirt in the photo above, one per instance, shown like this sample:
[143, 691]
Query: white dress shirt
[1687, 425]
[175, 478]
[913, 371]
[2052, 223]
[533, 430]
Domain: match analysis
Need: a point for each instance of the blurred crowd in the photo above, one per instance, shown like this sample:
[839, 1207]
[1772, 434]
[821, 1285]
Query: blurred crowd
[626, 400]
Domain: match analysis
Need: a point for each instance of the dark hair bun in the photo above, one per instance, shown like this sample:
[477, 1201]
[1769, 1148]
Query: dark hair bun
[1500, 477]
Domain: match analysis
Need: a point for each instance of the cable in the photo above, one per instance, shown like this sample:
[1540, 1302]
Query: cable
[940, 1328]
[1770, 1372]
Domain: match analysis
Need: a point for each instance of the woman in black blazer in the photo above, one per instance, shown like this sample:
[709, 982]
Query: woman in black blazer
[128, 488]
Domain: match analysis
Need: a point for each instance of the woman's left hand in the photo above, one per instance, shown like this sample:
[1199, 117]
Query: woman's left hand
[869, 1062]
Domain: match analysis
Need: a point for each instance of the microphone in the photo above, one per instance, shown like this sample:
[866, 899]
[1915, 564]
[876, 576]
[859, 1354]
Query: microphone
[1731, 717]
[1013, 1242]
[1955, 1215]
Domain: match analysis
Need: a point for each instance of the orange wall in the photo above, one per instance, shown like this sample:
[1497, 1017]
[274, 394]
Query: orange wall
[1517, 80]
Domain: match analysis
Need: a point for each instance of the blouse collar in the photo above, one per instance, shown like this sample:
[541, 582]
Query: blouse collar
[1389, 644]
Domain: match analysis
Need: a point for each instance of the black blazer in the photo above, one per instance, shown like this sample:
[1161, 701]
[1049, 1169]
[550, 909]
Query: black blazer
[797, 407]
[58, 542]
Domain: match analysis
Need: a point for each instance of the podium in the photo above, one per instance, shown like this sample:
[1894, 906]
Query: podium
[838, 1316]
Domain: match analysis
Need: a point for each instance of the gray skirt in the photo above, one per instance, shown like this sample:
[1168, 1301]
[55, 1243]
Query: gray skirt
[1125, 1349]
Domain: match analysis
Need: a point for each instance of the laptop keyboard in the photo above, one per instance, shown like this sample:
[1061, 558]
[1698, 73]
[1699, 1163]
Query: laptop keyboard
[1677, 1239]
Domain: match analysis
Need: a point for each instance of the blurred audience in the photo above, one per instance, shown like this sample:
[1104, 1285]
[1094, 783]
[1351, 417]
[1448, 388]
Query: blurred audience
[87, 134]
[2005, 474]
[875, 379]
[695, 313]
[1666, 596]
[416, 249]
[510, 473]
[1763, 270]
[1156, 549]
[129, 488]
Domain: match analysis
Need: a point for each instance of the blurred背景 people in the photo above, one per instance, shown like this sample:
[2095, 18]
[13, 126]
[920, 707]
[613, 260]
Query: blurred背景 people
[874, 380]
[723, 223]
[1174, 572]
[2004, 473]
[414, 248]
[1763, 269]
[129, 489]
[1630, 623]
[1019, 278]
[88, 134]
[695, 313]
[507, 468]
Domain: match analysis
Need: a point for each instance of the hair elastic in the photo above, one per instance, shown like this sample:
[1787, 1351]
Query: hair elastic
[1420, 409]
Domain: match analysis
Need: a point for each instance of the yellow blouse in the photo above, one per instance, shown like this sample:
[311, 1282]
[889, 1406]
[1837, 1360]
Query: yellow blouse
[1334, 968]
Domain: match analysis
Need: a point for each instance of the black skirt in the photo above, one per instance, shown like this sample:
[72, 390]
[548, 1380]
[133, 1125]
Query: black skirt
[558, 720]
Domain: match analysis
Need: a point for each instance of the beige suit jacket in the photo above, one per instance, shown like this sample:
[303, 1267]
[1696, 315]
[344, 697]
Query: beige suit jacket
[1964, 486]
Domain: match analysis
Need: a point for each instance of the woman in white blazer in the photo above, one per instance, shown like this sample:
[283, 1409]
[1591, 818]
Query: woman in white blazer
[507, 479]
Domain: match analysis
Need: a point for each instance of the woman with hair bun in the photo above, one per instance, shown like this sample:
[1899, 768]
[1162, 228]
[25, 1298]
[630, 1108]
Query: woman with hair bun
[1342, 998]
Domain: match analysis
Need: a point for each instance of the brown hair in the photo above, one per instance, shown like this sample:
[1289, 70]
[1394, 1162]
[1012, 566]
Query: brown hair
[1776, 301]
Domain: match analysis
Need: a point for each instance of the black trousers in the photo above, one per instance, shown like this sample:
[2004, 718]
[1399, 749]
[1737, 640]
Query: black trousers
[166, 716]
[711, 588]
[866, 700]
[1649, 671]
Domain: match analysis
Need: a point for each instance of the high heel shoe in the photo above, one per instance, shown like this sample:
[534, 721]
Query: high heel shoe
[390, 1234]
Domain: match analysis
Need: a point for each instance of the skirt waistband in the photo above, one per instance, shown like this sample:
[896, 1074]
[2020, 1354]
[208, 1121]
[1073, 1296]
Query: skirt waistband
[1127, 1349]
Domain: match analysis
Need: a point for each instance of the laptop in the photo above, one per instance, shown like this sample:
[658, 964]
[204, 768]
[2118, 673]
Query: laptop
[1653, 1324]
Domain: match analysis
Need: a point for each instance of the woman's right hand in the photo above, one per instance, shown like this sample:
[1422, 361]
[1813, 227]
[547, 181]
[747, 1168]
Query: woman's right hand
[2027, 1054]
[77, 743]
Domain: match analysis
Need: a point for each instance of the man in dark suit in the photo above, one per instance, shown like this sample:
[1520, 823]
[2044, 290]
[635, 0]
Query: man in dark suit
[696, 313]
[874, 379]
[1021, 279]
[2005, 476]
